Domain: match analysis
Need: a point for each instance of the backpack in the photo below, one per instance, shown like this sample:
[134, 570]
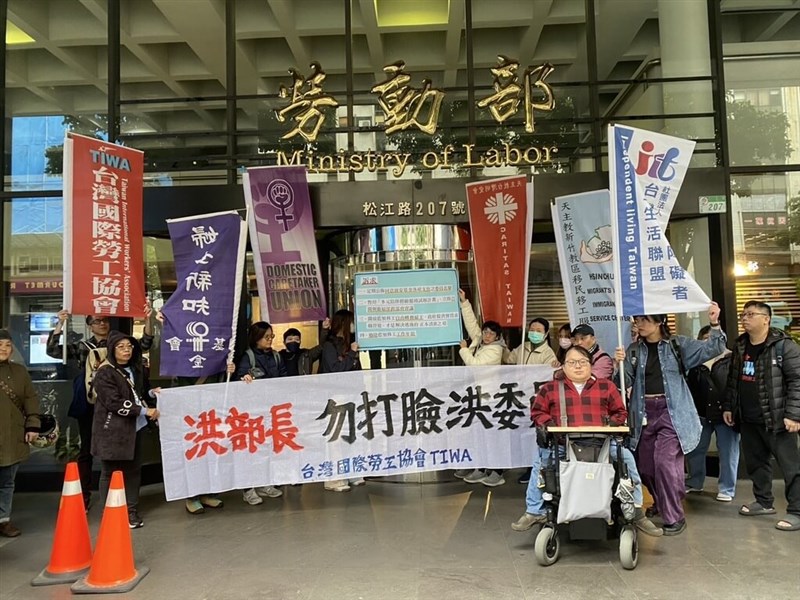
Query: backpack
[94, 360]
[255, 371]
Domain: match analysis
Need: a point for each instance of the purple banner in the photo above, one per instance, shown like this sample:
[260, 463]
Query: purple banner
[200, 317]
[284, 247]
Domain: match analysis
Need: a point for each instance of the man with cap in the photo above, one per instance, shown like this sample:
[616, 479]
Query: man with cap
[602, 364]
[19, 425]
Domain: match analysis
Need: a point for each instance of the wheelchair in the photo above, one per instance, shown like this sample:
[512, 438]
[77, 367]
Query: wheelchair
[587, 441]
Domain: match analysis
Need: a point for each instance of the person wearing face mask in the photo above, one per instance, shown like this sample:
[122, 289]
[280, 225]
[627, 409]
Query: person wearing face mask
[535, 350]
[299, 361]
[564, 344]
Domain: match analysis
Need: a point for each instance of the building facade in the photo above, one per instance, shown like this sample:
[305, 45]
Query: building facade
[393, 105]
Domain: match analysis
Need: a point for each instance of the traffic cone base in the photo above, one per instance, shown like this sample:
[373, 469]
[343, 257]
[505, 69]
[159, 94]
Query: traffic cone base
[82, 587]
[71, 555]
[47, 578]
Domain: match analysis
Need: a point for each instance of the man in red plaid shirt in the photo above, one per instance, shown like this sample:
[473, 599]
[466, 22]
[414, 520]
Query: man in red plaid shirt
[589, 402]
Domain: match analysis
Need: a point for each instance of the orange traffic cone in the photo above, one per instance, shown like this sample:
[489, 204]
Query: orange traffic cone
[113, 570]
[72, 547]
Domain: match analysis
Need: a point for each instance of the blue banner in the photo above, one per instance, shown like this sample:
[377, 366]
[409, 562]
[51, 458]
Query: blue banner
[646, 171]
[200, 316]
[585, 242]
[407, 309]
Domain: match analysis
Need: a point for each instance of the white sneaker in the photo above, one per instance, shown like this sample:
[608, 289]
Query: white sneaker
[694, 490]
[461, 473]
[724, 497]
[357, 481]
[251, 497]
[475, 477]
[493, 479]
[337, 485]
[269, 491]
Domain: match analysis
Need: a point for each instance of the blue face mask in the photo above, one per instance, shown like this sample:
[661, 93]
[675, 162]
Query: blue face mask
[535, 337]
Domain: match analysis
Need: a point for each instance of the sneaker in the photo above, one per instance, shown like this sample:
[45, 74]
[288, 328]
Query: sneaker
[675, 528]
[652, 511]
[525, 477]
[134, 520]
[357, 481]
[493, 479]
[8, 530]
[251, 497]
[475, 477]
[645, 525]
[694, 490]
[269, 491]
[724, 497]
[461, 473]
[337, 485]
[527, 521]
[194, 507]
[211, 501]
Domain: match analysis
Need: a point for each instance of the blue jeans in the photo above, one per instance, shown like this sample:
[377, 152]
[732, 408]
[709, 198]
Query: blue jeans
[533, 497]
[7, 475]
[728, 445]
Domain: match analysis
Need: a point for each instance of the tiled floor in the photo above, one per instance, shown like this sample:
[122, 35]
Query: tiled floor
[406, 541]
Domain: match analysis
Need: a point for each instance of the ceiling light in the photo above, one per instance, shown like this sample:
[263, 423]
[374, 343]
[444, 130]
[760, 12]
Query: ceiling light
[15, 35]
[411, 13]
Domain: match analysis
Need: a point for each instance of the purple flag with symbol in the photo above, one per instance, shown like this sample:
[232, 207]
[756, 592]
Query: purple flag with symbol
[284, 247]
[200, 316]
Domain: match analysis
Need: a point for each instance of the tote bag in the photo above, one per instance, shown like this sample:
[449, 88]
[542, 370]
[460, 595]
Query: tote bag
[586, 487]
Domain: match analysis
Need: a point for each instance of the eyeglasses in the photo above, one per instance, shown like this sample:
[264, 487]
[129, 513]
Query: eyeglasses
[750, 314]
[577, 363]
[269, 336]
[100, 321]
[488, 331]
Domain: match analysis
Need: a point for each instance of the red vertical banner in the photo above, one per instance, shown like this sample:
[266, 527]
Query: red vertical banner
[103, 257]
[501, 220]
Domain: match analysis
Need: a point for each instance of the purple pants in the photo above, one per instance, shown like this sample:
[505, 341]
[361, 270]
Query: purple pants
[660, 461]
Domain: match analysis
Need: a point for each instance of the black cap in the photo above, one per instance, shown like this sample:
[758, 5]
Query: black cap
[582, 330]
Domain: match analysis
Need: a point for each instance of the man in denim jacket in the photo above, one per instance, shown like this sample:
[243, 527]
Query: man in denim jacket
[665, 425]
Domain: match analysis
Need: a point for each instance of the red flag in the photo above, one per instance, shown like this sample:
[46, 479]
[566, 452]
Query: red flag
[501, 219]
[103, 258]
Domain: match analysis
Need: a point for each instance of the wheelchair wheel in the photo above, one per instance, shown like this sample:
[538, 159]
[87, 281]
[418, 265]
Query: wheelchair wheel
[628, 548]
[547, 546]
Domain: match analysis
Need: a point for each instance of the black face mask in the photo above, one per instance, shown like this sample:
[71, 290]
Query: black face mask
[293, 347]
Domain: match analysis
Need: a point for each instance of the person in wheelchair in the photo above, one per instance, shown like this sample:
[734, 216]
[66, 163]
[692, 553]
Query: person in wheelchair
[589, 402]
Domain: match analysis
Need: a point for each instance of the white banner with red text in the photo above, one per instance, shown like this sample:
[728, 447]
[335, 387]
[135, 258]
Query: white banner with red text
[220, 437]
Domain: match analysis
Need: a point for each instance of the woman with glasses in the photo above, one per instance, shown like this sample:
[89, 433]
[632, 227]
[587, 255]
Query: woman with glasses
[486, 348]
[260, 361]
[665, 425]
[120, 417]
[339, 355]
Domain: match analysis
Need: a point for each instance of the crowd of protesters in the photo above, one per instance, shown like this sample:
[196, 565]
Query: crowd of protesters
[681, 391]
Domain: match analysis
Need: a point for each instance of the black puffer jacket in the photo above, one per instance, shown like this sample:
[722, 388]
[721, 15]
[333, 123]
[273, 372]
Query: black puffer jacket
[778, 384]
[708, 388]
[117, 408]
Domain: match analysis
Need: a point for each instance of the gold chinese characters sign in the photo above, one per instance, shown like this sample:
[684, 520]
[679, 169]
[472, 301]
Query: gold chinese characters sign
[406, 107]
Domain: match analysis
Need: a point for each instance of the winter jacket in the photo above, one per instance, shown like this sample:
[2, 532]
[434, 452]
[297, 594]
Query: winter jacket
[305, 358]
[268, 361]
[778, 380]
[479, 353]
[707, 382]
[599, 404]
[679, 399]
[13, 424]
[119, 403]
[336, 357]
[541, 355]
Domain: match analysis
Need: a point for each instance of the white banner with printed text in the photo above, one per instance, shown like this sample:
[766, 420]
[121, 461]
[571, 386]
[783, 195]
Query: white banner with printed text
[220, 437]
